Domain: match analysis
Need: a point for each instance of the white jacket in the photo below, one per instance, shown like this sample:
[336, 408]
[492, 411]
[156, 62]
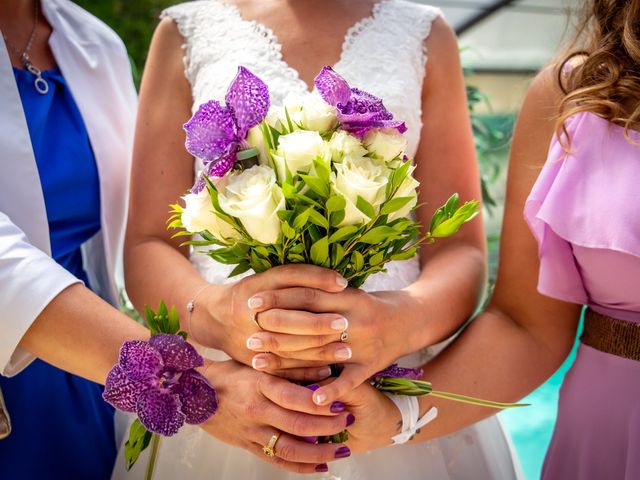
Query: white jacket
[95, 65]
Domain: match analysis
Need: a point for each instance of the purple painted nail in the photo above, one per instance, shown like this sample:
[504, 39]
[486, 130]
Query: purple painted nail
[322, 468]
[350, 420]
[310, 439]
[337, 407]
[343, 452]
[313, 387]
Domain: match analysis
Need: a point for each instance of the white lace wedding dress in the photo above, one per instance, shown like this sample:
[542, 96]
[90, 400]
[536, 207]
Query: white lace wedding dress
[382, 54]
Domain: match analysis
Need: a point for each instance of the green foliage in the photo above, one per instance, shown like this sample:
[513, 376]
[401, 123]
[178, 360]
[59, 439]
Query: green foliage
[164, 321]
[139, 439]
[312, 231]
[133, 21]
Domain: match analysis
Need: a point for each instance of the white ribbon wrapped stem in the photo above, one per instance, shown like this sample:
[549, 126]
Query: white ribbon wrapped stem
[410, 411]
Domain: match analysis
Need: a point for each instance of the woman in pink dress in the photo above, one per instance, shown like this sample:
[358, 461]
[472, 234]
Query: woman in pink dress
[575, 172]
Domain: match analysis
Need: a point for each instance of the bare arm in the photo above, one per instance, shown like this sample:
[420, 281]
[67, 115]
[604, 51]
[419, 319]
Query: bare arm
[523, 336]
[80, 333]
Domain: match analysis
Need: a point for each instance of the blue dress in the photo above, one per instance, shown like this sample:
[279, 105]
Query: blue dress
[62, 429]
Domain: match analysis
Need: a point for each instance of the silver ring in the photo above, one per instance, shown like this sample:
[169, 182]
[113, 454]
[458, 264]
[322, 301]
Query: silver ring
[344, 336]
[253, 316]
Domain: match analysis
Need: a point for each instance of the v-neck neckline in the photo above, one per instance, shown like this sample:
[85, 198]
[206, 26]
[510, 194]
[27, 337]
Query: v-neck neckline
[272, 40]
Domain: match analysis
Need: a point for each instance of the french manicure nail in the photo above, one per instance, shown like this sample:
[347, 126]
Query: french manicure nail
[255, 302]
[350, 420]
[259, 363]
[310, 439]
[343, 353]
[339, 324]
[254, 343]
[341, 281]
[322, 468]
[319, 398]
[324, 372]
[342, 452]
[337, 407]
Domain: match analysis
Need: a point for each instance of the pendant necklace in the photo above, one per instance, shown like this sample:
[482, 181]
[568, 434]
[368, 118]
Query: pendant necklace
[39, 83]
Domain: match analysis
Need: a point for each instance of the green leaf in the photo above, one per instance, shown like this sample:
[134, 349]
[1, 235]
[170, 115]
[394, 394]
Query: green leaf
[336, 218]
[437, 218]
[452, 205]
[139, 439]
[151, 322]
[378, 235]
[337, 254]
[394, 205]
[320, 251]
[297, 248]
[174, 320]
[335, 203]
[322, 170]
[289, 122]
[288, 190]
[376, 259]
[288, 231]
[318, 219]
[343, 233]
[406, 254]
[316, 184]
[462, 215]
[301, 220]
[240, 268]
[315, 233]
[358, 261]
[296, 258]
[365, 207]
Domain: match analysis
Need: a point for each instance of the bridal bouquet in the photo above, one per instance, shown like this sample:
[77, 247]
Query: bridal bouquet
[322, 179]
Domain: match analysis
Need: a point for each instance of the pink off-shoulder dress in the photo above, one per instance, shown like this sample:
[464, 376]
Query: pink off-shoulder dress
[584, 211]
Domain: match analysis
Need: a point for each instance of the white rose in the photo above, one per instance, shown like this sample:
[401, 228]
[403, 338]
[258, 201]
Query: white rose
[198, 215]
[360, 176]
[254, 198]
[407, 189]
[343, 145]
[316, 114]
[385, 144]
[298, 150]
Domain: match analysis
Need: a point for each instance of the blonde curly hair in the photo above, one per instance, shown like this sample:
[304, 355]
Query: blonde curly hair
[600, 72]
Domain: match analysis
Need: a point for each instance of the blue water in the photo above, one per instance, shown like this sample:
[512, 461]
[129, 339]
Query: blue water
[531, 427]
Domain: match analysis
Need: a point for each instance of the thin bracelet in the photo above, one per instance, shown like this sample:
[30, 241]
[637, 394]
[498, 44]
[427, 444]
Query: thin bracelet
[191, 305]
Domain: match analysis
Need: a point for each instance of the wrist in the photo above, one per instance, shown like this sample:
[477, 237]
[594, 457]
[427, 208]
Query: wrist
[202, 324]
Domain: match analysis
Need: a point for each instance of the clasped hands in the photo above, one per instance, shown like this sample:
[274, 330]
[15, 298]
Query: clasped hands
[289, 323]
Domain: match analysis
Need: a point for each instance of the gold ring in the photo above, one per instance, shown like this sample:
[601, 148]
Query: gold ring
[254, 318]
[270, 448]
[344, 336]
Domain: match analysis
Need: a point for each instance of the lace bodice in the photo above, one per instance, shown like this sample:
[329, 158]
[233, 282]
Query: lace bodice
[383, 54]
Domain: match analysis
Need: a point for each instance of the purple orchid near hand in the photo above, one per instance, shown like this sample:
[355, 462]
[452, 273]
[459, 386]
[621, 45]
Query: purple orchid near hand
[157, 381]
[358, 111]
[216, 133]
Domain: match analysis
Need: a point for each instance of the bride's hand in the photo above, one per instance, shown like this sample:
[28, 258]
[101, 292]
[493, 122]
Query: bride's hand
[378, 419]
[379, 332]
[248, 416]
[225, 322]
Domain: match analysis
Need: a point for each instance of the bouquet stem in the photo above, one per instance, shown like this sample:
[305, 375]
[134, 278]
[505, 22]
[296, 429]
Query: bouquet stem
[153, 455]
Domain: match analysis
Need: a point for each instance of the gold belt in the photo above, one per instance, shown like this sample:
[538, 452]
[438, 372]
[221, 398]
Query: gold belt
[611, 335]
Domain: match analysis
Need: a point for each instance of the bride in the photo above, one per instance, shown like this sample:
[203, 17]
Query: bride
[380, 47]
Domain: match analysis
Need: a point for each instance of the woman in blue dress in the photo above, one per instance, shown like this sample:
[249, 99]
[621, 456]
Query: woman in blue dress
[60, 426]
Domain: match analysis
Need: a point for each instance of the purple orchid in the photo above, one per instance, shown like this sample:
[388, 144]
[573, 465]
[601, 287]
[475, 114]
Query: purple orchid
[157, 381]
[216, 133]
[395, 371]
[358, 111]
